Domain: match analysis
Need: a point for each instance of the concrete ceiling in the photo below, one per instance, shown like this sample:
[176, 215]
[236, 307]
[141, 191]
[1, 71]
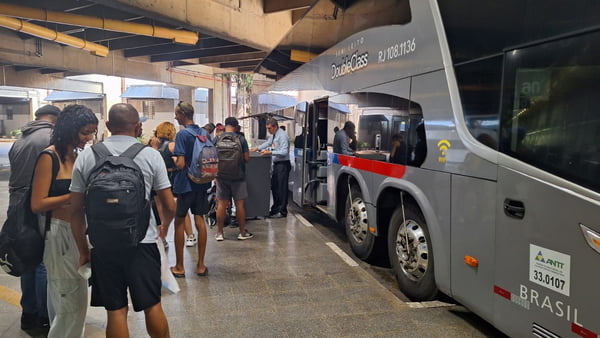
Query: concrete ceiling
[234, 35]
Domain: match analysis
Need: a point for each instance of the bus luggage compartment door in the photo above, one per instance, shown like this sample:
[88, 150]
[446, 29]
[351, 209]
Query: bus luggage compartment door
[545, 270]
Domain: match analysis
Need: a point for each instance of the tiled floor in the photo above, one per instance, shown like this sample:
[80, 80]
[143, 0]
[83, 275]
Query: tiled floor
[285, 282]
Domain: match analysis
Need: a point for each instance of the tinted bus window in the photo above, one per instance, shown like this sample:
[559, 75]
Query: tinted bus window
[551, 108]
[495, 25]
[479, 84]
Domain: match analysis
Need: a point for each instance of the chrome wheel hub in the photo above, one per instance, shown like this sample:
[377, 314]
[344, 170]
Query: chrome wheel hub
[412, 250]
[357, 221]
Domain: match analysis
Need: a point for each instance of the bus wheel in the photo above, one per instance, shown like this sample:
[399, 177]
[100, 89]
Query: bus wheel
[410, 254]
[357, 225]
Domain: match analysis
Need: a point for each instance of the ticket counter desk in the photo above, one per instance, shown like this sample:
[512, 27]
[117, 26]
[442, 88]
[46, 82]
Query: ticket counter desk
[258, 181]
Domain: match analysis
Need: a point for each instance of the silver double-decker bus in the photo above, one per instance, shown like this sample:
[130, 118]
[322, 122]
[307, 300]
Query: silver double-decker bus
[476, 168]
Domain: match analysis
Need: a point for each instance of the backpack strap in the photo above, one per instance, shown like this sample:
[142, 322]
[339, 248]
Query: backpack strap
[163, 147]
[100, 151]
[133, 150]
[200, 137]
[55, 168]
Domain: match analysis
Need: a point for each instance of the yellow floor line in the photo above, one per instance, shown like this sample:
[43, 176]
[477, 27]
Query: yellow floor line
[10, 296]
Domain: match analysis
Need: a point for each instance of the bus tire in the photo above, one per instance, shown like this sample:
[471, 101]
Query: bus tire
[356, 222]
[410, 253]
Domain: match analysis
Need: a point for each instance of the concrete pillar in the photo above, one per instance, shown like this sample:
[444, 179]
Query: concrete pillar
[219, 101]
[211, 106]
[186, 94]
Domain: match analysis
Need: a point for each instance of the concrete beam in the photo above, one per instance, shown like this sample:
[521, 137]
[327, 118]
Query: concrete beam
[33, 79]
[231, 58]
[242, 21]
[298, 14]
[55, 56]
[222, 51]
[272, 6]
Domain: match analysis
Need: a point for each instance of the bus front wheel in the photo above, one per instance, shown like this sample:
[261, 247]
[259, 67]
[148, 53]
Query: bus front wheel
[410, 254]
[357, 225]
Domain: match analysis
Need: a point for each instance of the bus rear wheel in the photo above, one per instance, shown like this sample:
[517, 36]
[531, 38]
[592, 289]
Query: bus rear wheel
[357, 225]
[410, 254]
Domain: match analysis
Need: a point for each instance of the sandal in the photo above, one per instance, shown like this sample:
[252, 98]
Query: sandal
[175, 274]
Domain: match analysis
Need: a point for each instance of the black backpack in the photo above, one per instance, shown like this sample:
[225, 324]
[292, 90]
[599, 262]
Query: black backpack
[231, 158]
[21, 243]
[116, 208]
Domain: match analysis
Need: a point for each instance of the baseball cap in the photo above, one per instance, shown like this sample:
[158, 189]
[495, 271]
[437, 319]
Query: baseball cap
[47, 110]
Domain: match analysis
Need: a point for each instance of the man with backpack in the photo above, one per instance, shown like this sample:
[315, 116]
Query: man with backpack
[233, 153]
[110, 189]
[195, 171]
[35, 137]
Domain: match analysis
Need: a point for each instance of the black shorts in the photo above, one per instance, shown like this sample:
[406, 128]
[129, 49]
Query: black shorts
[114, 271]
[197, 201]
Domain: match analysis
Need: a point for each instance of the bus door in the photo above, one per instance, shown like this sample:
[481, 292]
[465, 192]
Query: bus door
[548, 224]
[301, 154]
[316, 165]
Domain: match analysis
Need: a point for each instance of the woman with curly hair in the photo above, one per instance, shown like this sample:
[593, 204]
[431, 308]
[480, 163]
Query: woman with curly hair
[164, 142]
[67, 289]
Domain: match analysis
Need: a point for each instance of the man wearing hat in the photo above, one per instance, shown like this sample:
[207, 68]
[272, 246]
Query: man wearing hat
[35, 137]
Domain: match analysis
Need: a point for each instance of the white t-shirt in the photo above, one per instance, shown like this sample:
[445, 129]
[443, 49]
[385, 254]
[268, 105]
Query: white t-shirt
[149, 160]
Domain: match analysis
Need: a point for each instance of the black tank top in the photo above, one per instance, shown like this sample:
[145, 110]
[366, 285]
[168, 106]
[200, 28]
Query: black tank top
[167, 155]
[60, 187]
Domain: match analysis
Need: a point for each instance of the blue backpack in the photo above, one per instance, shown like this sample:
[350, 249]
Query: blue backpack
[204, 163]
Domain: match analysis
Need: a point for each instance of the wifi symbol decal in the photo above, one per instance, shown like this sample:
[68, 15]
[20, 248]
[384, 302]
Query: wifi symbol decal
[443, 146]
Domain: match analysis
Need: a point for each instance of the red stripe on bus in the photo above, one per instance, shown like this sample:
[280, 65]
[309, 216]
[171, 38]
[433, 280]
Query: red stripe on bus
[583, 331]
[377, 167]
[500, 291]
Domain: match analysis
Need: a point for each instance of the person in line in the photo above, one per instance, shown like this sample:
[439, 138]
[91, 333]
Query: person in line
[209, 127]
[190, 196]
[279, 142]
[341, 140]
[164, 142]
[135, 269]
[219, 129]
[236, 189]
[67, 289]
[23, 153]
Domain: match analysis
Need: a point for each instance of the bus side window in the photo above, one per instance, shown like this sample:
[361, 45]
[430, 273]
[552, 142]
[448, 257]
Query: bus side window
[399, 149]
[420, 147]
[550, 116]
[479, 86]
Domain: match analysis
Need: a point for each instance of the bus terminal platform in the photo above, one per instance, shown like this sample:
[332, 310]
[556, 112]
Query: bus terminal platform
[287, 281]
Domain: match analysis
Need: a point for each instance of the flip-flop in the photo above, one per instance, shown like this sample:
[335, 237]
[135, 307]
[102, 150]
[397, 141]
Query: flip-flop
[201, 274]
[177, 275]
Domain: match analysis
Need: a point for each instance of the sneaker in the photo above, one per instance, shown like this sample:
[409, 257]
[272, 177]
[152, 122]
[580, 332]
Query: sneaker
[191, 240]
[219, 237]
[245, 235]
